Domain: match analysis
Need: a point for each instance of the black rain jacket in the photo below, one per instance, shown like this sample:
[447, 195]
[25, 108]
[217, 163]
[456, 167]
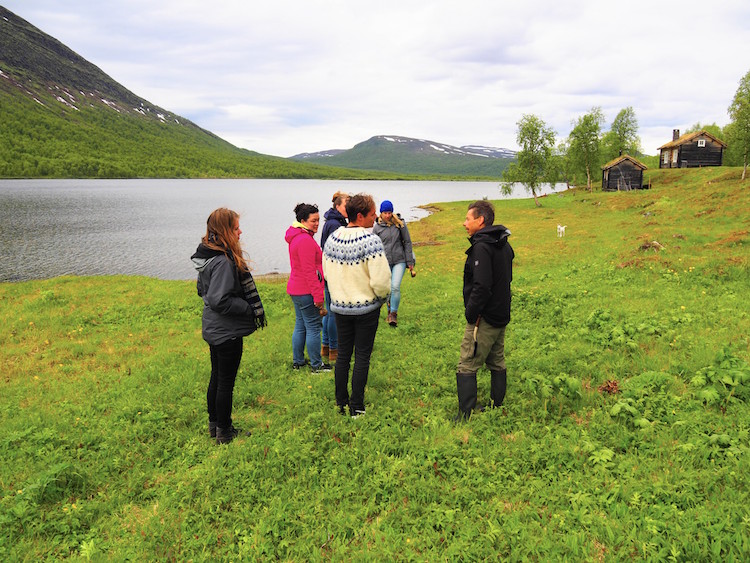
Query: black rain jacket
[487, 275]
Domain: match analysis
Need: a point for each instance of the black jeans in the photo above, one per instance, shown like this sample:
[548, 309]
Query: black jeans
[225, 360]
[356, 334]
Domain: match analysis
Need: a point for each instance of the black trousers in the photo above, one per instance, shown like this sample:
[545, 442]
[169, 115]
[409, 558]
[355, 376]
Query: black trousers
[225, 361]
[356, 335]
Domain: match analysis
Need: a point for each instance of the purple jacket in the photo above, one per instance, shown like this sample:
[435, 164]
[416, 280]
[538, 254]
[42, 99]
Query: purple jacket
[306, 260]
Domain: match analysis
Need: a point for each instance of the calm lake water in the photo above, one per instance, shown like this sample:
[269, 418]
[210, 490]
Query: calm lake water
[50, 228]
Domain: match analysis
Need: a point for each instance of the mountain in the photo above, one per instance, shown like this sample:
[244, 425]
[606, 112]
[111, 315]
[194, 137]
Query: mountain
[61, 116]
[416, 156]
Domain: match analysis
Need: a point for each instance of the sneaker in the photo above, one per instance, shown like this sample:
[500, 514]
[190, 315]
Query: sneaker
[356, 413]
[342, 410]
[321, 368]
[295, 365]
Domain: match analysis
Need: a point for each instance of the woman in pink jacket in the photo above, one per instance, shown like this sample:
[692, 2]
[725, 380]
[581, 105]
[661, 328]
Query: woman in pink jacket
[305, 286]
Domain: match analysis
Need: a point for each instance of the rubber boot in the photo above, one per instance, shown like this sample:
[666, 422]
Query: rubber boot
[466, 385]
[498, 383]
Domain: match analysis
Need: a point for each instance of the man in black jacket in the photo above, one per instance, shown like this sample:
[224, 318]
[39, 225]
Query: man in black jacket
[487, 276]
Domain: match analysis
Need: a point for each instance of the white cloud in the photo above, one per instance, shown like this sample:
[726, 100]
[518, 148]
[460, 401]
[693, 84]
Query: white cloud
[296, 76]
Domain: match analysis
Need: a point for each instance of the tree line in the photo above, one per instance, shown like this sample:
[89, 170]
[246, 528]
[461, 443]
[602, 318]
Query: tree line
[579, 157]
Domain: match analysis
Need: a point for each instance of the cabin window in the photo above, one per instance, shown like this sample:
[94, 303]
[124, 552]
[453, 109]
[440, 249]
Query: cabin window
[665, 157]
[701, 142]
[674, 156]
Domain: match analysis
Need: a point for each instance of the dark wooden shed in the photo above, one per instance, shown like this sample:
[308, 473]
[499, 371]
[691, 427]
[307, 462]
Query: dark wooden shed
[622, 174]
[691, 150]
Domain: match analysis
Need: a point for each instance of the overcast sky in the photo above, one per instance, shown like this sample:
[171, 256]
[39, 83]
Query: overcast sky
[283, 77]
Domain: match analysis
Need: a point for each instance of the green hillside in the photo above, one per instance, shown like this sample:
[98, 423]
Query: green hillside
[624, 436]
[61, 117]
[416, 157]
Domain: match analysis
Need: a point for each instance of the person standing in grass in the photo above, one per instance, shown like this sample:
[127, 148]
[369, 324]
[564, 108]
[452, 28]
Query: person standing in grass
[232, 309]
[392, 230]
[305, 287]
[359, 279]
[488, 273]
[335, 217]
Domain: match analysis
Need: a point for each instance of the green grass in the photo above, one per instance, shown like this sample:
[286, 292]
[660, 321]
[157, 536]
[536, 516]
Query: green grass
[624, 434]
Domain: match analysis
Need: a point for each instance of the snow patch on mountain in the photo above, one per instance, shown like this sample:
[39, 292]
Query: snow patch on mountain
[422, 146]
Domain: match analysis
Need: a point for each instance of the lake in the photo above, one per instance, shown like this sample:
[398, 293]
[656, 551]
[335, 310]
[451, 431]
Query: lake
[51, 228]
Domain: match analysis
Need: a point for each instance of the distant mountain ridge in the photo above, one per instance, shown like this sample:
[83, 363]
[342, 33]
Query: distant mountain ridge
[408, 155]
[63, 117]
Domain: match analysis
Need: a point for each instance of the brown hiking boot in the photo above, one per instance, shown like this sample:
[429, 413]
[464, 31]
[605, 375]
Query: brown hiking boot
[324, 350]
[393, 319]
[333, 353]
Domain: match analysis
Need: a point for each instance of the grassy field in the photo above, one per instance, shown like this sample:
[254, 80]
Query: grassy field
[624, 435]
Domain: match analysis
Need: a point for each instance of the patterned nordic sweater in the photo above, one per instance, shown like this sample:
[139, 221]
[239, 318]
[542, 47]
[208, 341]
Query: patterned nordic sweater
[357, 271]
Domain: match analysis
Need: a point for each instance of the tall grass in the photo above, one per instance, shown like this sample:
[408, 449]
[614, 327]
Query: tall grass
[624, 434]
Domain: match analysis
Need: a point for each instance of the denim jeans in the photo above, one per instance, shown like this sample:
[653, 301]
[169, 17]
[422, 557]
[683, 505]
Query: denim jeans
[397, 274]
[225, 361]
[356, 335]
[330, 334]
[307, 327]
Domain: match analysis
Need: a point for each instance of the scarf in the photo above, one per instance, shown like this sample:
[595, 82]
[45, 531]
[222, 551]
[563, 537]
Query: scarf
[250, 294]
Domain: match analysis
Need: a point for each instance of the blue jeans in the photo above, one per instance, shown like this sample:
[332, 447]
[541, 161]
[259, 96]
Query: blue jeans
[330, 334]
[397, 274]
[307, 327]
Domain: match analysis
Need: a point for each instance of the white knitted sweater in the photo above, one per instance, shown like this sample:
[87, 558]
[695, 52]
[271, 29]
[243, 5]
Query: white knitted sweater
[357, 271]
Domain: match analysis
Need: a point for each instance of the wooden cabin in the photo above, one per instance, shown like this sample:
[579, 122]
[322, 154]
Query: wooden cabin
[691, 150]
[622, 174]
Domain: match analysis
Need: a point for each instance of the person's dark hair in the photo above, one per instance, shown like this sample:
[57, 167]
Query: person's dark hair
[359, 204]
[484, 208]
[220, 236]
[304, 210]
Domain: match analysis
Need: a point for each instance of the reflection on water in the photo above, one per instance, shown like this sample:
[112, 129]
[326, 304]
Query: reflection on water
[151, 227]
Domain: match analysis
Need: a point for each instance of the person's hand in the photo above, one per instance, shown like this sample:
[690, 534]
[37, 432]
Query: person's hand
[321, 309]
[412, 271]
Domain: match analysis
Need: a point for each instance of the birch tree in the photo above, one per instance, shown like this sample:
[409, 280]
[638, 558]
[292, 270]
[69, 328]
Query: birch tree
[532, 167]
[583, 141]
[739, 128]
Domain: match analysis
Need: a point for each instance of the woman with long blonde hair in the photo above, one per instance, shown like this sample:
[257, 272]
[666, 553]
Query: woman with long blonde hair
[232, 310]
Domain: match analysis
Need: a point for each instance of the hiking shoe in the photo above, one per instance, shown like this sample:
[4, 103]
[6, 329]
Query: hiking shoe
[321, 368]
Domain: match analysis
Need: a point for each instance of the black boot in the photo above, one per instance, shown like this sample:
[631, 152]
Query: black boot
[226, 435]
[497, 387]
[466, 384]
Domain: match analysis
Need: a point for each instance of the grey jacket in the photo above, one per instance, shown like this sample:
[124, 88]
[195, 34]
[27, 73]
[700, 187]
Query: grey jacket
[395, 250]
[226, 314]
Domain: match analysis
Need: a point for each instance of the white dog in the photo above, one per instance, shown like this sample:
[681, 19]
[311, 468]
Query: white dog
[561, 230]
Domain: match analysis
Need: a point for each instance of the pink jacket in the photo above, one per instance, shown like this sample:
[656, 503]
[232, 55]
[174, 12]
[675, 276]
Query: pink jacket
[306, 260]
